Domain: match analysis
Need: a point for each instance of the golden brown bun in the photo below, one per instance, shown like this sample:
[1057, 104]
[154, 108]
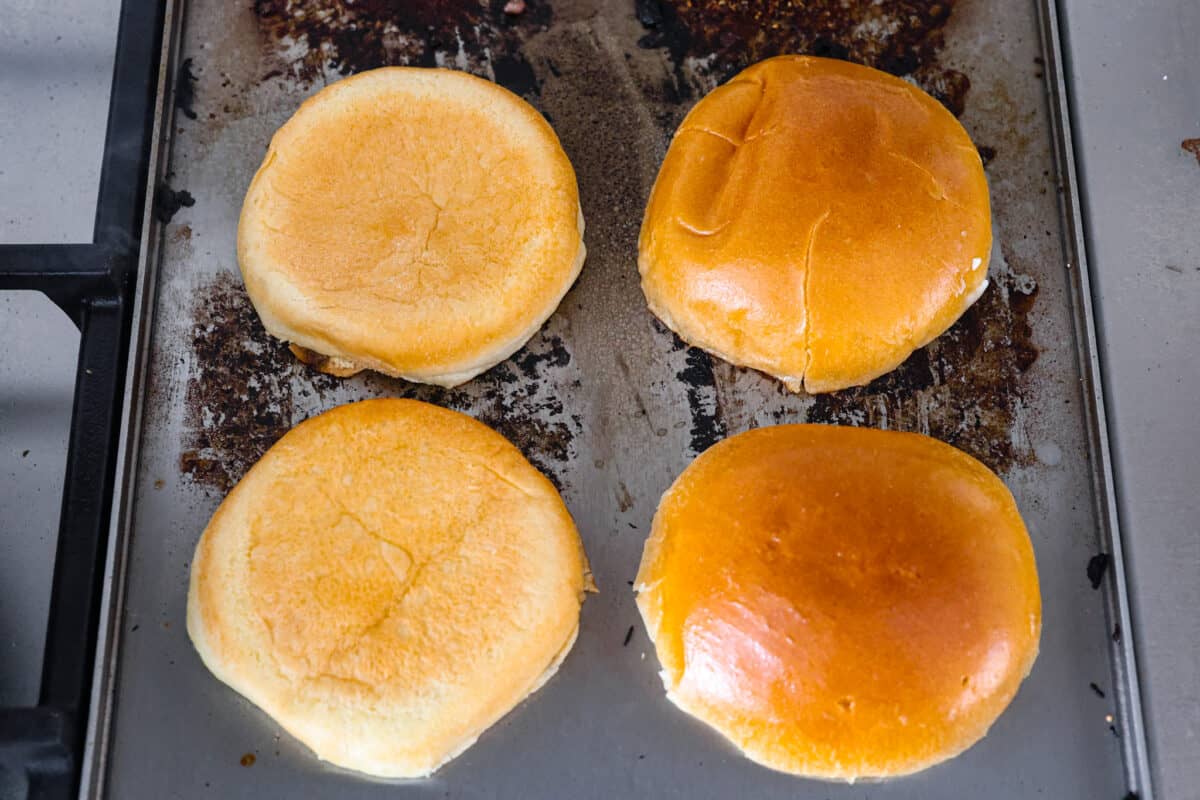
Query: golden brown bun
[841, 603]
[419, 222]
[816, 220]
[386, 582]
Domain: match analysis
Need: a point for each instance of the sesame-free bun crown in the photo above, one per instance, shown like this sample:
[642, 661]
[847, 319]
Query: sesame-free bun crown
[841, 603]
[419, 222]
[816, 220]
[386, 582]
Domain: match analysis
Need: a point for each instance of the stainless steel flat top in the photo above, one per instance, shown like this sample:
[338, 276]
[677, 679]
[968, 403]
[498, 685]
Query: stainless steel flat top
[612, 407]
[1134, 70]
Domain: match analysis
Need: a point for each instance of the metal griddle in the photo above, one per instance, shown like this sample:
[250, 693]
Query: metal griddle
[604, 399]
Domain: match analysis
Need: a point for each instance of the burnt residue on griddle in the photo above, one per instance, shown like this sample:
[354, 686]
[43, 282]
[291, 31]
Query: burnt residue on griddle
[1097, 566]
[987, 153]
[964, 388]
[650, 14]
[476, 35]
[239, 398]
[704, 402]
[624, 498]
[903, 37]
[168, 201]
[948, 86]
[521, 398]
[514, 73]
[185, 89]
[531, 363]
[246, 389]
[708, 425]
[1192, 146]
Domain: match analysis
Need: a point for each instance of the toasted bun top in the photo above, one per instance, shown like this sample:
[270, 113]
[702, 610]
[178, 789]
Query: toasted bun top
[817, 220]
[421, 222]
[388, 581]
[841, 603]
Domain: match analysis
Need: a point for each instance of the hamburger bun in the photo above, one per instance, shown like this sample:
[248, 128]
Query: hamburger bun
[423, 223]
[816, 220]
[389, 580]
[841, 603]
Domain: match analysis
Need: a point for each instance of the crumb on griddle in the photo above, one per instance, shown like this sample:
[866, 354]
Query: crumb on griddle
[1192, 146]
[168, 201]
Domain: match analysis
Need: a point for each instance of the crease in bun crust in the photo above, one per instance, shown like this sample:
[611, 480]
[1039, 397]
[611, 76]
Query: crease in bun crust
[423, 223]
[388, 581]
[841, 603]
[816, 220]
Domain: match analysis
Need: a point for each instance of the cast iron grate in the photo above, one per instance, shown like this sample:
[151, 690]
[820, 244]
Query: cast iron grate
[93, 284]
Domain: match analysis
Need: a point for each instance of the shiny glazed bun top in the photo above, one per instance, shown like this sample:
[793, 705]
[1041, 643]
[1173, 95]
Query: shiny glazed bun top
[816, 220]
[841, 603]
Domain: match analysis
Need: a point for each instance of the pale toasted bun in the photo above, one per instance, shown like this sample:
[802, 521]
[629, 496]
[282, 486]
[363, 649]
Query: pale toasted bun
[386, 582]
[816, 220]
[841, 603]
[419, 222]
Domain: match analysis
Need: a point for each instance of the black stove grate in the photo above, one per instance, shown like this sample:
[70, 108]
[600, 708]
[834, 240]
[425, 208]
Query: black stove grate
[93, 283]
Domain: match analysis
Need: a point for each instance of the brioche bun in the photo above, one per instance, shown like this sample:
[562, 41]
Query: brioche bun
[841, 603]
[816, 220]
